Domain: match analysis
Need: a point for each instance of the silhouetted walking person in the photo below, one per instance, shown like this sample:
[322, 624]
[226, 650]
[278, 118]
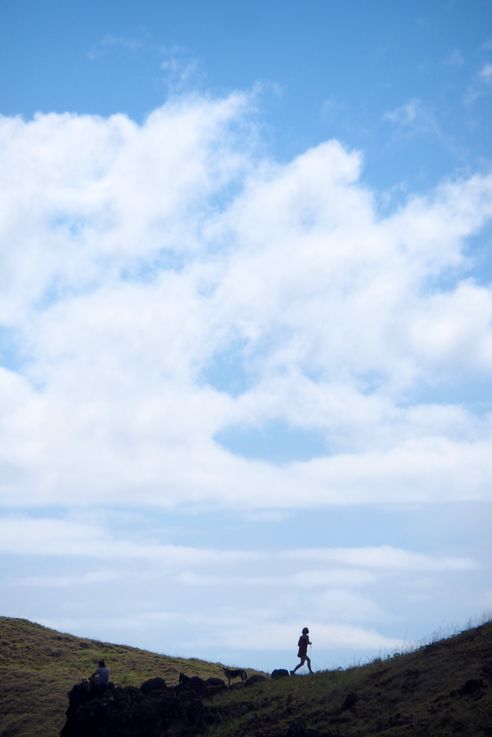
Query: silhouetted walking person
[303, 643]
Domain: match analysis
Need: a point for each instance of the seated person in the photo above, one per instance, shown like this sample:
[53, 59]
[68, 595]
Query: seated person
[100, 678]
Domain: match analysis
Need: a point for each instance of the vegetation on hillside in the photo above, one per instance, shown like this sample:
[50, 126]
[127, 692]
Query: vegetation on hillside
[441, 689]
[39, 665]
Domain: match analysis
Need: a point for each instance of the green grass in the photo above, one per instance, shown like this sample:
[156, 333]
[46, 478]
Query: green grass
[38, 666]
[417, 694]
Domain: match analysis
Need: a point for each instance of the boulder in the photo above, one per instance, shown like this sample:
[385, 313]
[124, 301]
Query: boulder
[153, 684]
[197, 685]
[280, 673]
[253, 680]
[214, 686]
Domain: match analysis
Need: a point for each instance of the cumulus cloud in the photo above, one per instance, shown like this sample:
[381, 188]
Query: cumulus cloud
[137, 257]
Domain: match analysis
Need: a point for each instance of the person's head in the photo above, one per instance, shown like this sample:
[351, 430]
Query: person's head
[102, 664]
[305, 631]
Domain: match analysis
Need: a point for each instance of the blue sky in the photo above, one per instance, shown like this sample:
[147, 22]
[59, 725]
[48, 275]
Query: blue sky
[246, 323]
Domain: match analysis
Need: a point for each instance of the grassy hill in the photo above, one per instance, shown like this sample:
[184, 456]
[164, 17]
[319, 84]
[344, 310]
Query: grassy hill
[441, 689]
[44, 664]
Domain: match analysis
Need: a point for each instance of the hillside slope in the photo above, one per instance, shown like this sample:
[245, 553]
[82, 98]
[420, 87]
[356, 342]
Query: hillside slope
[38, 666]
[442, 689]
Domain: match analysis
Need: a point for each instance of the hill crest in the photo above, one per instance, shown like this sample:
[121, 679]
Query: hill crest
[443, 688]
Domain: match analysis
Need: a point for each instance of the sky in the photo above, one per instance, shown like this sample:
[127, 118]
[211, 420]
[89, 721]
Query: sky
[246, 323]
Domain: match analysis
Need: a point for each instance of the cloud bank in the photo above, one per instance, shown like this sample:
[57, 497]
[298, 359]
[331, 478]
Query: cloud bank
[239, 599]
[167, 283]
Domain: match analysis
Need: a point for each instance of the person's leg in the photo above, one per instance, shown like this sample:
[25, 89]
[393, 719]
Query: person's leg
[297, 667]
[308, 661]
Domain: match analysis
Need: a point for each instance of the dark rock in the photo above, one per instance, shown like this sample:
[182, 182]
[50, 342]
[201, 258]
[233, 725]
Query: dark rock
[197, 685]
[253, 680]
[473, 687]
[214, 686]
[191, 713]
[135, 712]
[79, 694]
[280, 673]
[153, 684]
[215, 682]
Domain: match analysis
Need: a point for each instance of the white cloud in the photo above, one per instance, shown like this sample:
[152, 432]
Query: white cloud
[310, 579]
[248, 629]
[87, 199]
[179, 73]
[414, 117]
[340, 605]
[53, 537]
[110, 42]
[443, 331]
[317, 578]
[486, 72]
[21, 535]
[134, 256]
[114, 625]
[384, 557]
[481, 84]
[405, 114]
[265, 635]
[187, 597]
[62, 582]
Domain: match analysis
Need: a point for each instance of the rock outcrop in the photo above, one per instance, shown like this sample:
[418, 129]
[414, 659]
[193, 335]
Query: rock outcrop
[153, 710]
